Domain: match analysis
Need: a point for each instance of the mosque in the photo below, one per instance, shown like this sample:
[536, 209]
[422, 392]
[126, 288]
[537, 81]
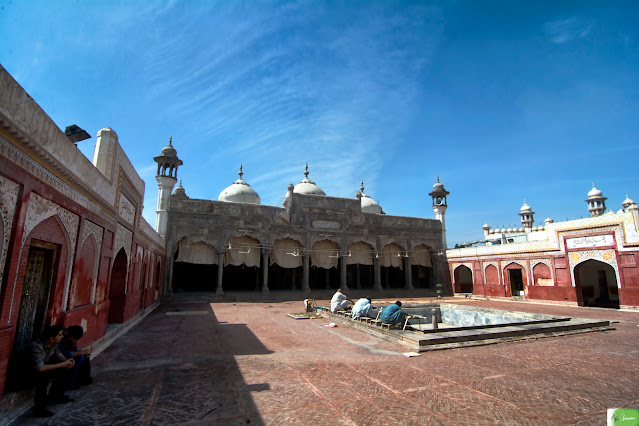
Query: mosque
[586, 262]
[310, 244]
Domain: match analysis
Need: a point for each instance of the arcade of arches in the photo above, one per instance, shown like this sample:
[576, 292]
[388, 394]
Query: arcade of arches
[247, 265]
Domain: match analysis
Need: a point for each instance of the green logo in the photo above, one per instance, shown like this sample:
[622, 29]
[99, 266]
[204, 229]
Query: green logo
[623, 416]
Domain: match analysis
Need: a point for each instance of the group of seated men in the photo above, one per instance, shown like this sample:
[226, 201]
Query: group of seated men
[57, 359]
[391, 314]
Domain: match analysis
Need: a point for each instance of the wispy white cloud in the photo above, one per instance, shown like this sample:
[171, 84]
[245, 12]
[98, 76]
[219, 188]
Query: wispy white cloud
[564, 30]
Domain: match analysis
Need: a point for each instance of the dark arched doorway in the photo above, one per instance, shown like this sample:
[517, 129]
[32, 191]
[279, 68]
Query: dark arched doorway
[117, 288]
[359, 266]
[195, 268]
[325, 265]
[596, 284]
[463, 279]
[392, 267]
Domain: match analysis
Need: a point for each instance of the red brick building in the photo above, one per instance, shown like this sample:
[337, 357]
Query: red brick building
[75, 248]
[586, 262]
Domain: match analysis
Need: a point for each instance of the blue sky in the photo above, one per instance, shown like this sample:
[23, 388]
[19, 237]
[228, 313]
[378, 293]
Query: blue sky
[504, 100]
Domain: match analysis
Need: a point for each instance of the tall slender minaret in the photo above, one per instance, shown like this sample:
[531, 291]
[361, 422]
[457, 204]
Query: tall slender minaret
[168, 163]
[439, 207]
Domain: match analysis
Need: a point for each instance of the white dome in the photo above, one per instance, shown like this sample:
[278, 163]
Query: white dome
[368, 204]
[240, 192]
[627, 202]
[307, 187]
[525, 208]
[540, 228]
[620, 211]
[594, 192]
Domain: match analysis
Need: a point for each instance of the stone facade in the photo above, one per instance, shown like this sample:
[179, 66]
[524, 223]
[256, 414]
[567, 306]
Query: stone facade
[64, 222]
[312, 243]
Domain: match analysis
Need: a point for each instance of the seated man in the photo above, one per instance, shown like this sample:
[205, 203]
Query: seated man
[339, 302]
[362, 307]
[69, 347]
[49, 365]
[393, 314]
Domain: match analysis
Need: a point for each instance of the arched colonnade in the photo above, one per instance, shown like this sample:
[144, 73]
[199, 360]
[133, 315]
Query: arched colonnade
[245, 264]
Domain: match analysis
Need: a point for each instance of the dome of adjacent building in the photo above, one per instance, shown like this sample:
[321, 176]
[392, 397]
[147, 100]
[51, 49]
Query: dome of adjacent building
[594, 192]
[240, 192]
[307, 187]
[368, 204]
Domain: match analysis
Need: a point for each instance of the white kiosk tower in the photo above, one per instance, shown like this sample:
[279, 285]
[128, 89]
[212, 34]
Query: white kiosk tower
[439, 207]
[168, 163]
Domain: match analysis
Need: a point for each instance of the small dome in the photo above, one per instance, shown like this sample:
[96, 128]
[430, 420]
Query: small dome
[492, 231]
[240, 192]
[179, 191]
[627, 202]
[503, 230]
[521, 229]
[169, 151]
[307, 187]
[620, 211]
[594, 192]
[525, 208]
[548, 220]
[486, 226]
[368, 204]
[534, 228]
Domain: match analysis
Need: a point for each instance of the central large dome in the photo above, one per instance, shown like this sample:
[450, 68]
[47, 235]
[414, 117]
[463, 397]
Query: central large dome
[240, 192]
[306, 186]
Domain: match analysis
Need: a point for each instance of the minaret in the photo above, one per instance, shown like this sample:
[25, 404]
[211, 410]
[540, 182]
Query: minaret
[596, 202]
[526, 214]
[439, 207]
[168, 163]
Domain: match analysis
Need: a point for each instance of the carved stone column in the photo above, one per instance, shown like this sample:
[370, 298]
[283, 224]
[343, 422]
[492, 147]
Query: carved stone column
[306, 287]
[265, 254]
[342, 270]
[377, 272]
[220, 273]
[408, 263]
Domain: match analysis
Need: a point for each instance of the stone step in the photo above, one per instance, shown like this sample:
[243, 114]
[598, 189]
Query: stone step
[507, 331]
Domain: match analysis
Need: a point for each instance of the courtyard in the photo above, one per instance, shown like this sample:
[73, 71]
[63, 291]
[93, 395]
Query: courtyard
[248, 363]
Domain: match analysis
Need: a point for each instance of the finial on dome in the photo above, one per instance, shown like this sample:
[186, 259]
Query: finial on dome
[180, 182]
[362, 187]
[437, 178]
[306, 172]
[241, 173]
[170, 140]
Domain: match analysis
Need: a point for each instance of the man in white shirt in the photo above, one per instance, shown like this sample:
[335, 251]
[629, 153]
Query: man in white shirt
[362, 307]
[339, 302]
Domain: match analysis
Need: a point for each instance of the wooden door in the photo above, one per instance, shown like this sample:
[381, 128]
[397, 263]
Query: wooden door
[35, 295]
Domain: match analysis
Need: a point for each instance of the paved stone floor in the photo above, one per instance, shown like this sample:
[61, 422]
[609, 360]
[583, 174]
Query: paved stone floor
[240, 363]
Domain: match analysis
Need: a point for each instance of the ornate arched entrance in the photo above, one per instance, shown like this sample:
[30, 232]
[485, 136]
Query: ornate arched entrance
[463, 278]
[117, 288]
[596, 284]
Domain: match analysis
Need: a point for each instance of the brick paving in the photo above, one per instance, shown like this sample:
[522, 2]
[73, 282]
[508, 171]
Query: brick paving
[248, 363]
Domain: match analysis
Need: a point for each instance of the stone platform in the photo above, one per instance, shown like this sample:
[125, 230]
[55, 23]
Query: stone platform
[248, 363]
